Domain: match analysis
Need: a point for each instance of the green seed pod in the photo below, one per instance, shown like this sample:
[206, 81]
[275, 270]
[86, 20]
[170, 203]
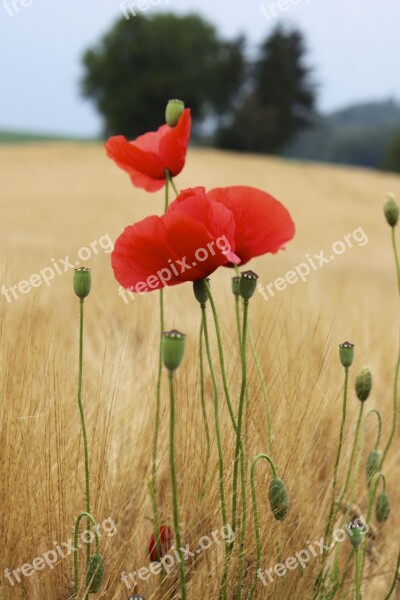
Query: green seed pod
[382, 508]
[200, 290]
[372, 465]
[346, 354]
[82, 282]
[236, 286]
[95, 573]
[278, 499]
[355, 536]
[363, 384]
[173, 349]
[391, 210]
[248, 284]
[173, 111]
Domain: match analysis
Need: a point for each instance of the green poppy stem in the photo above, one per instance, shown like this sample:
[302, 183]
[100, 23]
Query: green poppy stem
[240, 452]
[332, 511]
[217, 420]
[175, 502]
[76, 558]
[83, 423]
[172, 182]
[224, 582]
[203, 400]
[358, 574]
[395, 579]
[353, 452]
[153, 487]
[255, 514]
[397, 370]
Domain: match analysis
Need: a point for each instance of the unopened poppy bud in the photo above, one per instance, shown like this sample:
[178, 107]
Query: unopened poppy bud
[372, 465]
[355, 535]
[363, 384]
[173, 349]
[200, 290]
[346, 354]
[173, 111]
[236, 286]
[82, 282]
[95, 573]
[382, 508]
[391, 210]
[278, 499]
[248, 284]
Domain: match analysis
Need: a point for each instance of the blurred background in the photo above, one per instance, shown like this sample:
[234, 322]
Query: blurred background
[307, 79]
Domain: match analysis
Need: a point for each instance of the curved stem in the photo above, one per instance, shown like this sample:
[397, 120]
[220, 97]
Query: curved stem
[329, 525]
[397, 370]
[395, 396]
[371, 500]
[76, 532]
[395, 578]
[174, 484]
[379, 433]
[239, 451]
[83, 423]
[255, 514]
[216, 414]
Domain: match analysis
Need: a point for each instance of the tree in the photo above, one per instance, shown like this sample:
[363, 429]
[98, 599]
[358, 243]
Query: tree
[391, 160]
[280, 100]
[141, 63]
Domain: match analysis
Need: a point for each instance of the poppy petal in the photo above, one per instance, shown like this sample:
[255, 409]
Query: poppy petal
[145, 168]
[263, 224]
[173, 145]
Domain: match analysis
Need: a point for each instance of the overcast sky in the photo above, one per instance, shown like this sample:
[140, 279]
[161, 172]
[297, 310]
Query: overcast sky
[353, 47]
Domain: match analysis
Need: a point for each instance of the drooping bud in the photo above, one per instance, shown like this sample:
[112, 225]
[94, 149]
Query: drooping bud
[363, 384]
[200, 290]
[346, 354]
[236, 286]
[82, 282]
[248, 284]
[391, 210]
[164, 545]
[372, 465]
[173, 349]
[382, 508]
[95, 573]
[173, 111]
[278, 498]
[355, 535]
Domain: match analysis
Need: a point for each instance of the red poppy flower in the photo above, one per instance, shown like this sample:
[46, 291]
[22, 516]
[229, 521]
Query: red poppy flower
[262, 224]
[165, 544]
[146, 158]
[189, 242]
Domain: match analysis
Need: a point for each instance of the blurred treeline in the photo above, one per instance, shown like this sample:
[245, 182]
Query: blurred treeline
[265, 104]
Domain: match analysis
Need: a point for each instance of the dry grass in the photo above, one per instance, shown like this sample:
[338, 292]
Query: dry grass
[56, 199]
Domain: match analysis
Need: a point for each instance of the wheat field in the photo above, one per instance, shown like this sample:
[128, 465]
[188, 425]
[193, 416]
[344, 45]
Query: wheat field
[57, 199]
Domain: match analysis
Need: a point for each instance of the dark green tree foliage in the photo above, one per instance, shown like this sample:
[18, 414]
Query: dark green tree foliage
[141, 63]
[391, 160]
[280, 101]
